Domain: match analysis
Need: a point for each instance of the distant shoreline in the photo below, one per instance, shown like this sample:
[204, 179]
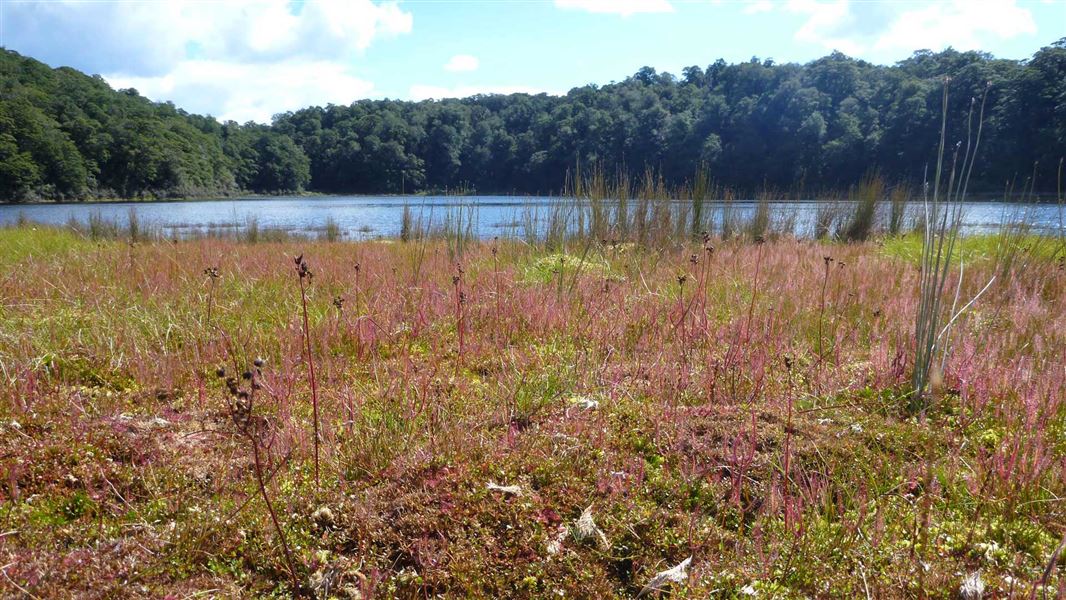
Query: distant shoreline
[1038, 198]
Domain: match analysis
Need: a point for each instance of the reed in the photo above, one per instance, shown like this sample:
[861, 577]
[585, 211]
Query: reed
[942, 219]
[304, 274]
[898, 202]
[865, 201]
[331, 231]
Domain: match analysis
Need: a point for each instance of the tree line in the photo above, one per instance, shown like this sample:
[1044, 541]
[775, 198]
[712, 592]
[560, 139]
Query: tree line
[753, 125]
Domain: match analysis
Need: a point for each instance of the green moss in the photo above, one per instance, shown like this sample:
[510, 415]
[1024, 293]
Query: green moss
[553, 267]
[977, 248]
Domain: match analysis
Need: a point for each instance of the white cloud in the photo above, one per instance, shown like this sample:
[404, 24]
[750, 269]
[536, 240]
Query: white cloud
[959, 23]
[892, 30]
[249, 92]
[427, 92]
[617, 7]
[150, 37]
[461, 62]
[235, 59]
[754, 7]
[826, 25]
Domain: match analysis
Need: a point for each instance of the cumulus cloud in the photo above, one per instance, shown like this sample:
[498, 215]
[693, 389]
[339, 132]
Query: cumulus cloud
[461, 62]
[149, 37]
[891, 30]
[236, 59]
[250, 92]
[827, 25]
[960, 24]
[432, 92]
[617, 7]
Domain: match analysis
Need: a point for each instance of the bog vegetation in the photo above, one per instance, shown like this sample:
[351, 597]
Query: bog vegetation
[622, 405]
[758, 124]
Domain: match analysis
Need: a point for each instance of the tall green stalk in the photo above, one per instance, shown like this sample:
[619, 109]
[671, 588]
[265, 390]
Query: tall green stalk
[943, 220]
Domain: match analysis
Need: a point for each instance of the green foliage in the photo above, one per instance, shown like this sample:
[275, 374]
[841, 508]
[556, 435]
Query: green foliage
[67, 136]
[753, 125]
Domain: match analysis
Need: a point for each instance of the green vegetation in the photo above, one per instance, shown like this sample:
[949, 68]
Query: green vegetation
[68, 136]
[753, 125]
[527, 423]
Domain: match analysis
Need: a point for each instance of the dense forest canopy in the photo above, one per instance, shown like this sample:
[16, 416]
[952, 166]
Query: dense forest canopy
[824, 124]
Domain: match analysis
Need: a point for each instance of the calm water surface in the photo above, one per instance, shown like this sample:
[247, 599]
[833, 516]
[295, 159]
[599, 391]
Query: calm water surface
[365, 217]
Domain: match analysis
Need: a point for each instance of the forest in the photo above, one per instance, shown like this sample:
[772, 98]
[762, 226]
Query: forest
[756, 125]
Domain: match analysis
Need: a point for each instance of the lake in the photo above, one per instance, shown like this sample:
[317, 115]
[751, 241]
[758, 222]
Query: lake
[367, 217]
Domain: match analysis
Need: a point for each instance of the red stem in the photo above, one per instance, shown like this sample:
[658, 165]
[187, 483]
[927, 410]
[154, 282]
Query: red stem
[311, 370]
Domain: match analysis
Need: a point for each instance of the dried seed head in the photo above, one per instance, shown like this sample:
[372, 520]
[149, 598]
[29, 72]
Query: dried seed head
[246, 375]
[338, 302]
[455, 280]
[259, 362]
[694, 259]
[220, 372]
[301, 267]
[681, 279]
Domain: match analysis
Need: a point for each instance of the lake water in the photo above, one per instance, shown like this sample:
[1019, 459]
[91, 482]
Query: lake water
[367, 217]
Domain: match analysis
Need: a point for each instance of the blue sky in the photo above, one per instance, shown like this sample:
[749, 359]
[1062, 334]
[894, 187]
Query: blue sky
[249, 59]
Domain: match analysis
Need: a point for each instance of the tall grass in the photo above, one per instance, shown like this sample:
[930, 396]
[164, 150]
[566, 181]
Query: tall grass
[251, 229]
[101, 228]
[942, 218]
[331, 231]
[406, 224]
[701, 191]
[133, 226]
[898, 202]
[759, 225]
[827, 216]
[865, 199]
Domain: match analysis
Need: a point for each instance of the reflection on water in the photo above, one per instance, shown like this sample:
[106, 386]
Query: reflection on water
[362, 217]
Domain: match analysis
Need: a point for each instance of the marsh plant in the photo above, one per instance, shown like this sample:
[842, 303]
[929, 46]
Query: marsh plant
[865, 202]
[252, 427]
[942, 218]
[331, 231]
[304, 274]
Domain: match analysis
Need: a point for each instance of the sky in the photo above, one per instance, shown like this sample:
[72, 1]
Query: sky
[247, 60]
